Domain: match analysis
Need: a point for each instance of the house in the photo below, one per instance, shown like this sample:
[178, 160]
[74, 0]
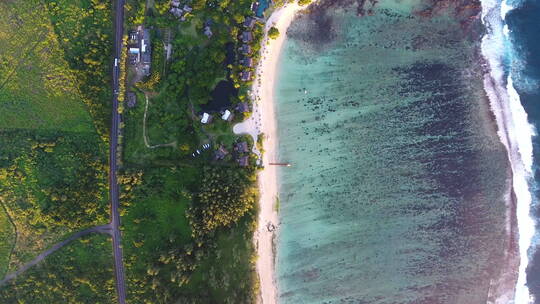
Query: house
[246, 75]
[243, 161]
[254, 7]
[220, 153]
[177, 12]
[247, 37]
[134, 37]
[146, 52]
[134, 55]
[208, 31]
[242, 107]
[227, 115]
[247, 62]
[246, 49]
[131, 99]
[206, 118]
[249, 22]
[242, 147]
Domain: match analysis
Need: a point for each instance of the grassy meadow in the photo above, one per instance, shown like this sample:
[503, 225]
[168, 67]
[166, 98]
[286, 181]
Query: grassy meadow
[54, 100]
[81, 272]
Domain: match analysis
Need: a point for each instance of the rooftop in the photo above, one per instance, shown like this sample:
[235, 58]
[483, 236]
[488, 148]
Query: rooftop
[242, 147]
[243, 161]
[206, 118]
[247, 37]
[227, 115]
[249, 22]
[220, 153]
[246, 49]
[246, 75]
[248, 62]
[242, 107]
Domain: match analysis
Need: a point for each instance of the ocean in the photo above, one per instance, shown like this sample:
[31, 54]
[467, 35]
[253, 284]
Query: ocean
[523, 64]
[412, 157]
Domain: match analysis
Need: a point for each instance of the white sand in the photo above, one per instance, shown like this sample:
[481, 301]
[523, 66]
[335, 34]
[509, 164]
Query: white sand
[264, 120]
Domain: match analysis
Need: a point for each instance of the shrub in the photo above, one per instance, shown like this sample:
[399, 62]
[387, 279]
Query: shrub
[273, 33]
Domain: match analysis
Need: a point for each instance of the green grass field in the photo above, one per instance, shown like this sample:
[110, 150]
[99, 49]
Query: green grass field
[166, 123]
[226, 275]
[54, 92]
[37, 89]
[7, 237]
[81, 272]
[155, 224]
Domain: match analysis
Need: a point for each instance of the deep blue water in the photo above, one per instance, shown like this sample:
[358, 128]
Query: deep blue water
[524, 25]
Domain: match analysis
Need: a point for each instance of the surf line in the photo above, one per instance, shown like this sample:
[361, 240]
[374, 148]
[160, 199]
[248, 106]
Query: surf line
[514, 131]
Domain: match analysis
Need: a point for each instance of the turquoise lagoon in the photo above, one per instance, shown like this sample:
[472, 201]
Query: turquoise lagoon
[396, 190]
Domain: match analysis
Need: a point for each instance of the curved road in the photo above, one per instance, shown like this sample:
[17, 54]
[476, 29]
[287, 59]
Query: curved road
[113, 183]
[55, 247]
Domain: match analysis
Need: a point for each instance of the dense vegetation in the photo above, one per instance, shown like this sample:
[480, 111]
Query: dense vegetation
[81, 272]
[304, 2]
[188, 221]
[54, 94]
[224, 196]
[52, 183]
[273, 33]
[84, 30]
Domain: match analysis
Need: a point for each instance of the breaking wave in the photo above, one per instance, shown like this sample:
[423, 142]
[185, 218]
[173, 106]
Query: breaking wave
[515, 131]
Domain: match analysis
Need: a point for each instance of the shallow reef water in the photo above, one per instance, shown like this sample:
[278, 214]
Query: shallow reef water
[395, 194]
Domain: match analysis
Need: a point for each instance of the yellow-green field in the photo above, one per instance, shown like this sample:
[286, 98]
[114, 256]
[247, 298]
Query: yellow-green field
[37, 88]
[54, 97]
[81, 272]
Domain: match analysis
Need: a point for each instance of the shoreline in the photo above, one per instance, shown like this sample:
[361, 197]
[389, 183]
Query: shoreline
[264, 117]
[510, 116]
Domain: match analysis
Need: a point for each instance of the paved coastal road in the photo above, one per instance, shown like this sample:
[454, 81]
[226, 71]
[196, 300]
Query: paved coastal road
[113, 183]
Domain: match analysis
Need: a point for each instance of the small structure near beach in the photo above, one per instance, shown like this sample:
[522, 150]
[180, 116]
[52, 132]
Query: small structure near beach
[243, 161]
[245, 76]
[241, 147]
[220, 153]
[206, 118]
[243, 107]
[247, 37]
[247, 62]
[249, 22]
[245, 49]
[227, 115]
[255, 7]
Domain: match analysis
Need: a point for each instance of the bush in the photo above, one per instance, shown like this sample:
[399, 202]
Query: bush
[304, 2]
[273, 33]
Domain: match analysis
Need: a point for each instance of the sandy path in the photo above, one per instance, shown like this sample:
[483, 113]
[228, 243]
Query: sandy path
[264, 120]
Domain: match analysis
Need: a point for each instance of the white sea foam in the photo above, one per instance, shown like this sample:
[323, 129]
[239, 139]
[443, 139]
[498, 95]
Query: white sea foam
[514, 129]
[506, 31]
[505, 8]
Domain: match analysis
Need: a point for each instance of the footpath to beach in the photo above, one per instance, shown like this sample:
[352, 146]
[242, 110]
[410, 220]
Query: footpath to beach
[263, 120]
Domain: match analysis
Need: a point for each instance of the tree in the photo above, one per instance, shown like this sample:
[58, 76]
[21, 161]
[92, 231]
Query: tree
[273, 33]
[226, 194]
[304, 2]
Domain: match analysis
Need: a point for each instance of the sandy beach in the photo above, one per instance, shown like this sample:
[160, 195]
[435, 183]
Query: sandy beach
[263, 120]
